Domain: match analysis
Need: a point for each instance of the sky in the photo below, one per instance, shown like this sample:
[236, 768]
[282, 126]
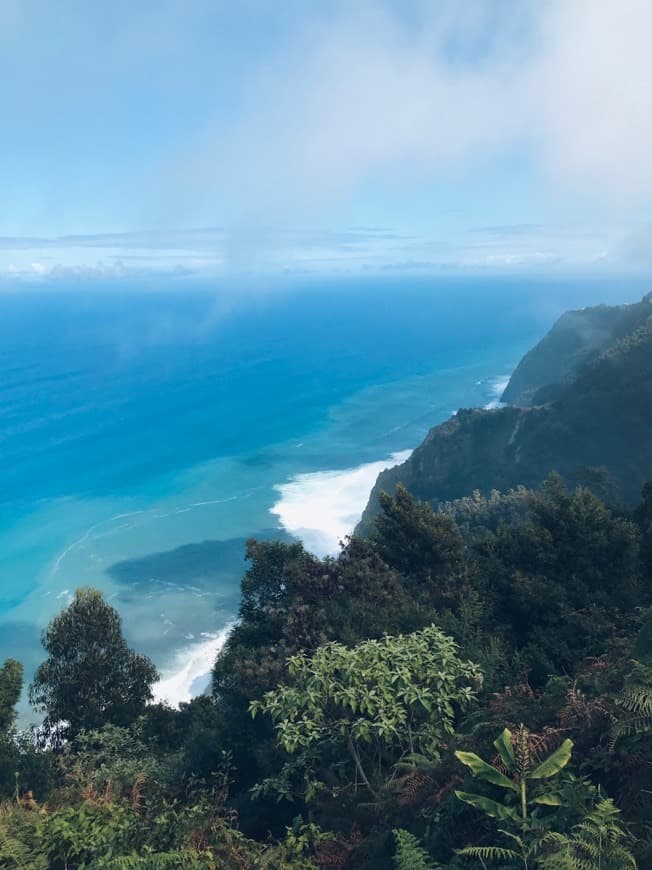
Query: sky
[204, 137]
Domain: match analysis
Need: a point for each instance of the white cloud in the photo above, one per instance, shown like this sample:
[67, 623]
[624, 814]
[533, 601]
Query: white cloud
[361, 95]
[365, 95]
[590, 88]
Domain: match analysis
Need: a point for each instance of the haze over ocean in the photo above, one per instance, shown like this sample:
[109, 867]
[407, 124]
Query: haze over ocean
[145, 435]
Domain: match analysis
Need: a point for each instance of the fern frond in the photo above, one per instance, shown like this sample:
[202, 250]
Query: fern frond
[16, 854]
[174, 860]
[490, 853]
[410, 855]
[635, 725]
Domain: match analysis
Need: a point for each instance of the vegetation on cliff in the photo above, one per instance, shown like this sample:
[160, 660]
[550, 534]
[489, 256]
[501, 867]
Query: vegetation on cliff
[357, 700]
[594, 426]
[576, 339]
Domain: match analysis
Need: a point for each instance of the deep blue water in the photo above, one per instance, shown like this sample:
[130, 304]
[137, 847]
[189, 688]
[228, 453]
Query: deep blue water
[121, 401]
[106, 392]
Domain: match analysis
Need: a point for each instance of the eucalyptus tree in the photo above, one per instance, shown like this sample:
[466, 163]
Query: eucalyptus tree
[11, 684]
[91, 677]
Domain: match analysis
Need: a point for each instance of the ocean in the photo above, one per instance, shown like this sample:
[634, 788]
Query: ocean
[147, 431]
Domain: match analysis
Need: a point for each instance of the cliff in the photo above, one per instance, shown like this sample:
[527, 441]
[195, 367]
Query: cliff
[596, 417]
[577, 338]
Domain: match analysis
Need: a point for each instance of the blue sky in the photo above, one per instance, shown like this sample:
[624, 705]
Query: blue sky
[178, 138]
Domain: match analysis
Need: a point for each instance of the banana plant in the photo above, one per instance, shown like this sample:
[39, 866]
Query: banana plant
[530, 785]
[529, 780]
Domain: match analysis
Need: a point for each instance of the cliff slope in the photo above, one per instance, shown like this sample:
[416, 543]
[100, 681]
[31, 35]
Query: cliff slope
[598, 417]
[577, 338]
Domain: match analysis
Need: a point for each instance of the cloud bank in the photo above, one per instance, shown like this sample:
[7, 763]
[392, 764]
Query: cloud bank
[366, 94]
[274, 122]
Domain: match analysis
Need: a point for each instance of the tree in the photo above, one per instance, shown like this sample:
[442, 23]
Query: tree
[420, 543]
[378, 701]
[563, 580]
[91, 677]
[11, 684]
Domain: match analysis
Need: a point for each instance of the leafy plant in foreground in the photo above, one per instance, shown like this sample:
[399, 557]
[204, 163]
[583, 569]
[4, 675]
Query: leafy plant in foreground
[386, 697]
[528, 784]
[635, 704]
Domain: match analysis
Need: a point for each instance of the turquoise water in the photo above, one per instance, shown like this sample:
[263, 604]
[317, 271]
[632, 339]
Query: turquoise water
[145, 435]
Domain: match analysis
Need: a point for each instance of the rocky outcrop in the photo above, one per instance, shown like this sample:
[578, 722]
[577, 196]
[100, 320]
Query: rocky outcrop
[595, 425]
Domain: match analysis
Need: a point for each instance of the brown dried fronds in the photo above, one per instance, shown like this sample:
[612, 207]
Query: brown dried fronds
[336, 854]
[332, 855]
[517, 692]
[594, 665]
[27, 801]
[583, 711]
[97, 796]
[411, 787]
[138, 790]
[198, 840]
[544, 742]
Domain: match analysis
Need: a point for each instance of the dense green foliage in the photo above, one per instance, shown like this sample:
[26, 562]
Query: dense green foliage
[91, 677]
[370, 725]
[377, 702]
[11, 683]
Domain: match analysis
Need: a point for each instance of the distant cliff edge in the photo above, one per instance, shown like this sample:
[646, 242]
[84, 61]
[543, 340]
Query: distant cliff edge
[580, 404]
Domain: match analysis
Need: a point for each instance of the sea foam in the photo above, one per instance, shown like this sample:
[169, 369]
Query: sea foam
[498, 387]
[322, 507]
[191, 667]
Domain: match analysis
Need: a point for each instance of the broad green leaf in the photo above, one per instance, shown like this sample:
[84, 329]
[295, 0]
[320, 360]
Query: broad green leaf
[548, 800]
[485, 771]
[554, 763]
[491, 808]
[503, 744]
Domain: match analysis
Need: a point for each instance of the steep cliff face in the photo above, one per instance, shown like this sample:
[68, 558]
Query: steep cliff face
[577, 338]
[599, 417]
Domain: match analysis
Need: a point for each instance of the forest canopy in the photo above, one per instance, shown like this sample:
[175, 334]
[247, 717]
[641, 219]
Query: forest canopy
[465, 687]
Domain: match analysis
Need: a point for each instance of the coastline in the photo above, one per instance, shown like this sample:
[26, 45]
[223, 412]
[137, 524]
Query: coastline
[189, 675]
[498, 386]
[322, 507]
[161, 561]
[333, 502]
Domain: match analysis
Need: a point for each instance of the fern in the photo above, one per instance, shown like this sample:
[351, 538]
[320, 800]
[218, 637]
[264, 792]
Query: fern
[596, 843]
[492, 854]
[410, 855]
[635, 701]
[157, 861]
[16, 854]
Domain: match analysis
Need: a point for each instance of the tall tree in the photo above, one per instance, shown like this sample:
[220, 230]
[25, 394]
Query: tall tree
[90, 677]
[423, 545]
[11, 684]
